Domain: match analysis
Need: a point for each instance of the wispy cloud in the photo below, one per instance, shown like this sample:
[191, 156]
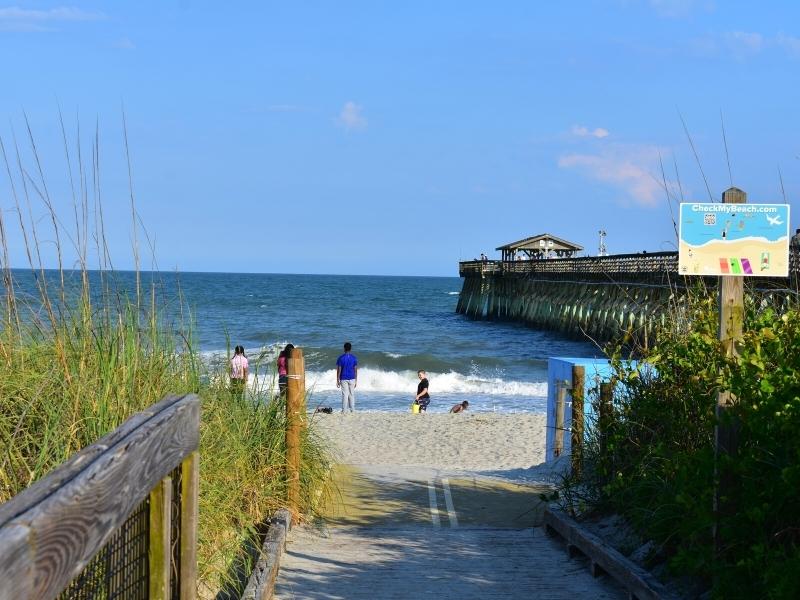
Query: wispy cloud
[679, 8]
[633, 168]
[789, 44]
[352, 116]
[124, 43]
[581, 131]
[14, 18]
[284, 108]
[744, 44]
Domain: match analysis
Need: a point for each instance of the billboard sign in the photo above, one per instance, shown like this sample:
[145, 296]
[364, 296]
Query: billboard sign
[745, 240]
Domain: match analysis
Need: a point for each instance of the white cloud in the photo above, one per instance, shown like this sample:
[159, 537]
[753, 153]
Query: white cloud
[743, 44]
[351, 116]
[581, 131]
[124, 43]
[14, 18]
[284, 108]
[632, 168]
[679, 8]
[790, 44]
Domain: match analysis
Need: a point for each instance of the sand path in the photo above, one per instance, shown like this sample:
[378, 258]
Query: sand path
[463, 528]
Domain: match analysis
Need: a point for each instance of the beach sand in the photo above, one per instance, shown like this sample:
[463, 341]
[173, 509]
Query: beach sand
[510, 446]
[424, 509]
[704, 260]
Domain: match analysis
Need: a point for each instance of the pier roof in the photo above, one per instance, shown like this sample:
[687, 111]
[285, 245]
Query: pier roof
[541, 242]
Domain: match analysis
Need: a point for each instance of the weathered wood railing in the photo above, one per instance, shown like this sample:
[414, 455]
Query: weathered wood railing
[106, 519]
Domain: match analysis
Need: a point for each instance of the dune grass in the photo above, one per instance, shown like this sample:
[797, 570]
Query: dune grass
[83, 349]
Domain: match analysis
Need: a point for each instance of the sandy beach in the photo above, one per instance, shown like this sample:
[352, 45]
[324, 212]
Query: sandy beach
[500, 445]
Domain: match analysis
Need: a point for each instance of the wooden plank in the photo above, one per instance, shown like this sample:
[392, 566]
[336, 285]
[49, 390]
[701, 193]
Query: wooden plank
[190, 487]
[606, 559]
[16, 557]
[158, 549]
[561, 401]
[576, 452]
[71, 524]
[53, 481]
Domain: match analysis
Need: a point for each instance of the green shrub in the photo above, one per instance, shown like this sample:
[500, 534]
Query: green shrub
[655, 464]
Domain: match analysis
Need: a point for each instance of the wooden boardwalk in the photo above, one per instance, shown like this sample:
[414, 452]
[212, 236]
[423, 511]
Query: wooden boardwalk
[417, 533]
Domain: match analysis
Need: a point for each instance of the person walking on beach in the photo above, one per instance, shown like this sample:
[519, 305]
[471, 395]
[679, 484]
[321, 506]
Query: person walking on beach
[461, 407]
[347, 377]
[239, 367]
[422, 398]
[283, 368]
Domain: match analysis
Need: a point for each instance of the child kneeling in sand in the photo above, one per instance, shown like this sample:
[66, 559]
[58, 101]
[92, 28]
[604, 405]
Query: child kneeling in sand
[460, 407]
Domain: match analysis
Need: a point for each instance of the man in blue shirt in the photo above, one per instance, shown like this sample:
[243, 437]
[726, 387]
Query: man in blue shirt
[346, 377]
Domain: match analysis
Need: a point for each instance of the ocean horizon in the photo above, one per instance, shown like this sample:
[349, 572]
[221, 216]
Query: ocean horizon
[396, 323]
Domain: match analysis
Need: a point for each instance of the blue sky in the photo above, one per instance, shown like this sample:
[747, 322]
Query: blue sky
[397, 137]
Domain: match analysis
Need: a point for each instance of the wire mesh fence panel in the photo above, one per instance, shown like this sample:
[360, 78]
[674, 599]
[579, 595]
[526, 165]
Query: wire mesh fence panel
[120, 570]
[175, 535]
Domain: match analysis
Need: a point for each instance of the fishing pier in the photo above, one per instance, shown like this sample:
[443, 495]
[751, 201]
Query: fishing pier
[599, 296]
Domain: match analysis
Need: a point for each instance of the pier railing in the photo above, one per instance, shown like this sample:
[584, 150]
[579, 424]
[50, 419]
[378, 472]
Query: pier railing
[656, 262]
[116, 520]
[643, 266]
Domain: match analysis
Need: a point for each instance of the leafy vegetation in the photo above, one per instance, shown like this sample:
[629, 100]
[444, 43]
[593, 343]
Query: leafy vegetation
[655, 462]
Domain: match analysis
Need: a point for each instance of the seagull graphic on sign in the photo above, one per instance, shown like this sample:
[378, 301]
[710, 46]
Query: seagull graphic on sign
[774, 220]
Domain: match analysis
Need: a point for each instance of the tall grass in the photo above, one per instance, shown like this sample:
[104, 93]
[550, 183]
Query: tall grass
[81, 351]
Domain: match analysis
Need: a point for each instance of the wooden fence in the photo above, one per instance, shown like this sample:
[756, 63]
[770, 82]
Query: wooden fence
[117, 520]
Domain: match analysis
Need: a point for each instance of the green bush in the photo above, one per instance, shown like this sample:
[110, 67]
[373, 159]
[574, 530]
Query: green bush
[655, 464]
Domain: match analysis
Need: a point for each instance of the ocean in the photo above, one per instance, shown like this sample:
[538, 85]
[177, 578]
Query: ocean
[396, 325]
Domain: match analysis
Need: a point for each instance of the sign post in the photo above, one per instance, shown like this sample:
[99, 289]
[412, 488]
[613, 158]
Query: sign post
[731, 240]
[731, 320]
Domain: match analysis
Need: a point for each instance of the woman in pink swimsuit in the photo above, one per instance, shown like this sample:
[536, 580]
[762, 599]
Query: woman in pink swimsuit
[238, 371]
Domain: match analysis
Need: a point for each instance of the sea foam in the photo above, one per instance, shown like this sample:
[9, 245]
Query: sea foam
[405, 382]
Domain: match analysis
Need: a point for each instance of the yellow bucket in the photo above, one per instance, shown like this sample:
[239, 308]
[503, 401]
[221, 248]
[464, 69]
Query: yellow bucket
[415, 408]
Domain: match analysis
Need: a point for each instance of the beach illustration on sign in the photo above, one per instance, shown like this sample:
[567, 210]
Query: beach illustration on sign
[744, 240]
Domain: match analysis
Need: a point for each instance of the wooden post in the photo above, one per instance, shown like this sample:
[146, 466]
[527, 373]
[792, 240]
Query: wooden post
[578, 382]
[190, 485]
[561, 402]
[606, 411]
[295, 420]
[731, 319]
[158, 551]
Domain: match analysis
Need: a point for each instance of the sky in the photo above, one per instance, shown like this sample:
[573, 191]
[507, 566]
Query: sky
[388, 138]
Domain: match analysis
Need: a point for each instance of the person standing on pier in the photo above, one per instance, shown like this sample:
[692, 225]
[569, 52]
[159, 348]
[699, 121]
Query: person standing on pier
[422, 398]
[239, 367]
[347, 377]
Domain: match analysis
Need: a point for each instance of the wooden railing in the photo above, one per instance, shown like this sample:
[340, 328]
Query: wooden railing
[133, 483]
[653, 263]
[656, 262]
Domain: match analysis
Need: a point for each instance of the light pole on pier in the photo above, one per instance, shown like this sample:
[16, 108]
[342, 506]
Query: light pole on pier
[601, 250]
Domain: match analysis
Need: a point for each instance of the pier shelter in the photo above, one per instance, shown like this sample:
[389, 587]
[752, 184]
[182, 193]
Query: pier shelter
[538, 247]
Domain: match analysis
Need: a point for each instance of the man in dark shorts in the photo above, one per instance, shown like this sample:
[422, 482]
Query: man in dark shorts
[422, 398]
